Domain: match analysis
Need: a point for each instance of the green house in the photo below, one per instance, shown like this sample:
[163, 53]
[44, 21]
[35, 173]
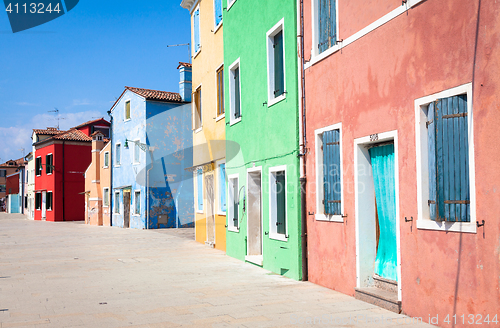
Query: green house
[262, 102]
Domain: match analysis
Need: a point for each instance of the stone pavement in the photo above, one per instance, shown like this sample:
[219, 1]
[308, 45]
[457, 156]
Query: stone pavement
[74, 275]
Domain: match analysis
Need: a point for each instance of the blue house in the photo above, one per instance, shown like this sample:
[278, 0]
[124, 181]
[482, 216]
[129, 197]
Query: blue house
[151, 148]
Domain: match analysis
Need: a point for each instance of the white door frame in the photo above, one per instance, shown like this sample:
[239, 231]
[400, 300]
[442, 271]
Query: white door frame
[366, 207]
[254, 259]
[44, 205]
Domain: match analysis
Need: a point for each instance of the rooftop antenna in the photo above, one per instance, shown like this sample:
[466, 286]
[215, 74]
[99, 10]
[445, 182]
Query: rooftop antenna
[22, 151]
[57, 116]
[180, 45]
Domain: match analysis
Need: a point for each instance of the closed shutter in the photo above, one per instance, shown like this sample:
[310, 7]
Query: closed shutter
[327, 24]
[237, 100]
[235, 203]
[196, 27]
[280, 203]
[222, 187]
[200, 190]
[452, 160]
[431, 140]
[218, 12]
[331, 172]
[279, 78]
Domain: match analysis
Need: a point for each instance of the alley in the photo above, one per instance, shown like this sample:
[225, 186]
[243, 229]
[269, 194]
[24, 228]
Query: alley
[68, 274]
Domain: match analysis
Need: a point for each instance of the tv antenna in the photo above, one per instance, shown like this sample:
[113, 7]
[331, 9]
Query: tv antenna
[57, 116]
[22, 151]
[181, 45]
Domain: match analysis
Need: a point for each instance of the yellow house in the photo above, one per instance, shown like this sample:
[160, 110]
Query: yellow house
[208, 121]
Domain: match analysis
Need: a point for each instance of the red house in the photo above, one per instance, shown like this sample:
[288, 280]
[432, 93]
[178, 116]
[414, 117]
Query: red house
[61, 158]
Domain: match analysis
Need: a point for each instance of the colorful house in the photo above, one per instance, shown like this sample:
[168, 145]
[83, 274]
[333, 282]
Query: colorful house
[98, 182]
[11, 174]
[402, 177]
[209, 125]
[61, 158]
[151, 148]
[260, 57]
[30, 186]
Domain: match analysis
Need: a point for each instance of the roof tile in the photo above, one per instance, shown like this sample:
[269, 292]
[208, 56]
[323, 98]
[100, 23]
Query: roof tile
[156, 94]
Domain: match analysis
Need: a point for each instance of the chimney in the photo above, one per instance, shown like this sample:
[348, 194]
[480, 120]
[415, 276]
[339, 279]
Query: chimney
[185, 85]
[97, 145]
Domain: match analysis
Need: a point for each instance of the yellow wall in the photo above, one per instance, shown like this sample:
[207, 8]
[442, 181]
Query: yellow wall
[205, 64]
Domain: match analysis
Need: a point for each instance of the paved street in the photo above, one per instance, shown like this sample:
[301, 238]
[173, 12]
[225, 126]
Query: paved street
[73, 275]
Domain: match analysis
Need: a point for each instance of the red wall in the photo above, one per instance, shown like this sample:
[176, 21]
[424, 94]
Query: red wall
[12, 185]
[370, 87]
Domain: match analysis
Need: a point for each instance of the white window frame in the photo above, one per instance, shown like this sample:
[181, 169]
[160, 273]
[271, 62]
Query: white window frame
[272, 204]
[320, 192]
[37, 209]
[52, 170]
[271, 99]
[136, 151]
[202, 193]
[217, 27]
[230, 200]
[134, 213]
[52, 201]
[125, 119]
[115, 207]
[217, 178]
[230, 3]
[315, 29]
[221, 116]
[38, 175]
[118, 163]
[236, 64]
[106, 153]
[423, 216]
[104, 197]
[199, 31]
[193, 106]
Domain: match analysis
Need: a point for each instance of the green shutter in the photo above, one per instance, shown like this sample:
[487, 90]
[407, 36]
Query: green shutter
[279, 74]
[280, 203]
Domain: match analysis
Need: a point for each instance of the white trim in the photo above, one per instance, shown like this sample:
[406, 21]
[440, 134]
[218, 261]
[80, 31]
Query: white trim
[134, 203]
[271, 99]
[236, 64]
[220, 117]
[104, 159]
[256, 259]
[217, 202]
[230, 3]
[202, 193]
[316, 57]
[118, 164]
[318, 140]
[230, 215]
[95, 151]
[125, 119]
[273, 234]
[138, 150]
[423, 216]
[361, 209]
[104, 198]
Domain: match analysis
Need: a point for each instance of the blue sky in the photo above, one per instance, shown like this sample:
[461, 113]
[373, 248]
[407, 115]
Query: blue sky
[80, 63]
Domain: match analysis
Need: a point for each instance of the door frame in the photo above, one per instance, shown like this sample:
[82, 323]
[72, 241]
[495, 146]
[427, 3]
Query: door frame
[365, 205]
[252, 258]
[214, 204]
[44, 206]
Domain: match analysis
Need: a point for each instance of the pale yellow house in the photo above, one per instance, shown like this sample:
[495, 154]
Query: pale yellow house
[208, 121]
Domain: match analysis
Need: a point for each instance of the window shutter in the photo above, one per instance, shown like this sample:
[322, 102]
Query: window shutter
[431, 140]
[237, 101]
[452, 157]
[218, 12]
[332, 35]
[327, 25]
[280, 203]
[222, 186]
[235, 204]
[279, 83]
[196, 26]
[331, 172]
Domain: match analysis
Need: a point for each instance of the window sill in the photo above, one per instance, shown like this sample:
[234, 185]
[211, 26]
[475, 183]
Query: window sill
[277, 236]
[118, 165]
[198, 130]
[329, 218]
[136, 163]
[104, 206]
[233, 229]
[218, 27]
[105, 167]
[276, 100]
[466, 227]
[199, 212]
[220, 117]
[233, 122]
[230, 5]
[197, 53]
[221, 213]
[127, 120]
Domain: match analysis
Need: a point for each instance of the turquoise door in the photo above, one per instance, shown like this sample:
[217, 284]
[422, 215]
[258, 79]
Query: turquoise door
[382, 160]
[14, 203]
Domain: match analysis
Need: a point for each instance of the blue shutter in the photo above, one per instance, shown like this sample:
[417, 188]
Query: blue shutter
[279, 78]
[200, 190]
[327, 24]
[431, 140]
[222, 187]
[452, 159]
[196, 26]
[331, 172]
[237, 100]
[332, 33]
[218, 12]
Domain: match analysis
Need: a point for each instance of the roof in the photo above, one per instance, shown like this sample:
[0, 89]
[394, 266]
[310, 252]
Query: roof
[185, 65]
[71, 135]
[15, 163]
[89, 122]
[48, 131]
[156, 94]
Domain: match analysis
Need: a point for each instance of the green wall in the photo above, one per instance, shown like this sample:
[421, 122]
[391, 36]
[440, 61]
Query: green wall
[268, 136]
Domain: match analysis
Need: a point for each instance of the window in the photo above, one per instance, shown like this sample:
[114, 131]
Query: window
[136, 152]
[199, 188]
[329, 205]
[220, 91]
[3, 173]
[276, 63]
[197, 114]
[49, 164]
[137, 203]
[277, 201]
[38, 166]
[222, 188]
[38, 201]
[116, 203]
[3, 188]
[196, 29]
[235, 92]
[234, 203]
[325, 24]
[105, 197]
[106, 159]
[127, 110]
[218, 13]
[48, 201]
[118, 154]
[445, 161]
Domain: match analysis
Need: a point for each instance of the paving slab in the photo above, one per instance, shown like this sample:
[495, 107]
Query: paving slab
[68, 274]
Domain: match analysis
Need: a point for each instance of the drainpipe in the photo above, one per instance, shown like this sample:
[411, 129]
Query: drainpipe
[302, 138]
[111, 192]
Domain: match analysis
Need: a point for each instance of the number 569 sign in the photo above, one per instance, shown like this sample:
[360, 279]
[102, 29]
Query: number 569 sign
[24, 15]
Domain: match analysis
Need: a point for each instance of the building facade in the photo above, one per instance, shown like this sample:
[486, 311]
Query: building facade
[151, 148]
[98, 183]
[10, 184]
[30, 186]
[261, 84]
[401, 100]
[208, 112]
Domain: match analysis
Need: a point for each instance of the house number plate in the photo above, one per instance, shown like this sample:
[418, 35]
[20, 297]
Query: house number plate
[374, 137]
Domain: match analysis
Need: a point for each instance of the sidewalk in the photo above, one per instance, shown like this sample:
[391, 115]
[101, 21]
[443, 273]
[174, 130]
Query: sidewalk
[73, 275]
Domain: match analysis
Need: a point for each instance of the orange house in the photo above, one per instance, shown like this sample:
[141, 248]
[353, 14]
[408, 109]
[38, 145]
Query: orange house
[97, 183]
